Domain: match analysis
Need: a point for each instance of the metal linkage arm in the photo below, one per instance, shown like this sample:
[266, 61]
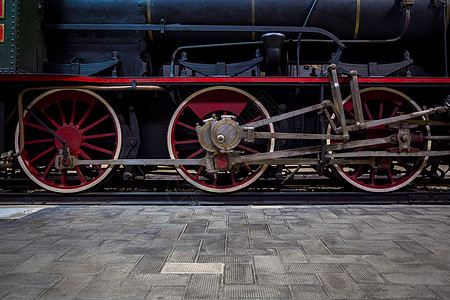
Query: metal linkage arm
[291, 114]
[253, 158]
[337, 99]
[73, 162]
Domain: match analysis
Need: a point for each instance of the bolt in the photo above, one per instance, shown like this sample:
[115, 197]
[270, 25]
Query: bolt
[405, 138]
[220, 138]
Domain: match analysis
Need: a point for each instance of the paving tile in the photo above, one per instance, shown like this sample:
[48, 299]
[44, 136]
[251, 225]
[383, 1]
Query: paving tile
[149, 264]
[113, 291]
[203, 287]
[314, 247]
[166, 280]
[400, 255]
[390, 291]
[227, 259]
[237, 241]
[341, 286]
[111, 258]
[354, 259]
[213, 247]
[163, 293]
[72, 267]
[309, 292]
[354, 250]
[183, 254]
[252, 251]
[421, 278]
[383, 264]
[112, 246]
[30, 279]
[314, 268]
[292, 255]
[113, 274]
[13, 246]
[35, 263]
[287, 279]
[239, 274]
[442, 291]
[255, 292]
[363, 274]
[24, 292]
[193, 268]
[69, 287]
[268, 264]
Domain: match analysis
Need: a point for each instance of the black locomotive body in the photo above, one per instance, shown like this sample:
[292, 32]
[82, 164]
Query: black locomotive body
[224, 91]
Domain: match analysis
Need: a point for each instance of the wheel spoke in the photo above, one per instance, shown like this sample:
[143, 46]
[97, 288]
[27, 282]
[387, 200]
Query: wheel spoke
[42, 154]
[96, 148]
[61, 113]
[357, 172]
[186, 142]
[36, 126]
[74, 108]
[80, 175]
[372, 176]
[394, 112]
[186, 126]
[51, 119]
[196, 153]
[85, 116]
[405, 165]
[39, 141]
[249, 169]
[95, 123]
[49, 167]
[380, 115]
[88, 157]
[199, 172]
[98, 136]
[390, 176]
[64, 177]
[368, 111]
[248, 149]
[233, 180]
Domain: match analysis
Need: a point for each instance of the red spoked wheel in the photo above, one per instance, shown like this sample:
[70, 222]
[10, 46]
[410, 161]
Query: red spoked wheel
[383, 174]
[183, 142]
[88, 125]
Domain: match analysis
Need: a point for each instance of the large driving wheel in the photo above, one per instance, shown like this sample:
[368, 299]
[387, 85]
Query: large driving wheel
[183, 142]
[383, 174]
[88, 125]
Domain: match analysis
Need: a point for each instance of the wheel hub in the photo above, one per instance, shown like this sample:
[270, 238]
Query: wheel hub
[219, 135]
[71, 135]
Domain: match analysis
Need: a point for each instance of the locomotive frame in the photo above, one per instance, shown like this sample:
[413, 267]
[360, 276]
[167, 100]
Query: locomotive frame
[377, 139]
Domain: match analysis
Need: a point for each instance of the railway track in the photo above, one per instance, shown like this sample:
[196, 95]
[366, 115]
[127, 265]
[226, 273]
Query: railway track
[280, 197]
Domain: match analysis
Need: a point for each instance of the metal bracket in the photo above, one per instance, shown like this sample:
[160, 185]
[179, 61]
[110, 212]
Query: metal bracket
[337, 99]
[356, 98]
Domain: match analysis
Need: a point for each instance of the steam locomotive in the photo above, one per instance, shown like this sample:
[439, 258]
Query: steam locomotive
[225, 92]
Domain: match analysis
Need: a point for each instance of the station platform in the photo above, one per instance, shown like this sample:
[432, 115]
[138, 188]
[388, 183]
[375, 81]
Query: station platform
[225, 252]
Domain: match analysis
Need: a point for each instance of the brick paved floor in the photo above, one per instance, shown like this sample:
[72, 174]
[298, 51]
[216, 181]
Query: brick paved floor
[279, 252]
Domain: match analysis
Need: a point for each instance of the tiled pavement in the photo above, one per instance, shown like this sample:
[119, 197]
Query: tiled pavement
[279, 252]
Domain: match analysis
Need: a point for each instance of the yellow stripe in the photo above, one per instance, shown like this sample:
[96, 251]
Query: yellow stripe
[358, 18]
[253, 17]
[2, 16]
[149, 19]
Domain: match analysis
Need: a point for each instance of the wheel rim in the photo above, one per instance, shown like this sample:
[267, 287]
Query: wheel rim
[383, 174]
[183, 142]
[90, 128]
